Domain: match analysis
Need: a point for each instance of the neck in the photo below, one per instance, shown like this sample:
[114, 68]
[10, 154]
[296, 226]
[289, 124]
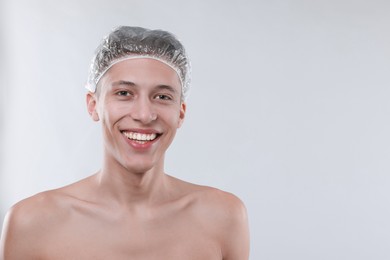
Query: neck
[132, 187]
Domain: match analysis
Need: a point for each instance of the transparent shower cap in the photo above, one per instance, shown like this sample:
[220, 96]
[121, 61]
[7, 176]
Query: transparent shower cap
[126, 42]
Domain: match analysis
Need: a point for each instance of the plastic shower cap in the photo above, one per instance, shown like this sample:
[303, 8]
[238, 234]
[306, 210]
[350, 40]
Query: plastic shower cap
[127, 42]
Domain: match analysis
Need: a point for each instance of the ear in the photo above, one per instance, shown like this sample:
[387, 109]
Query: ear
[182, 114]
[92, 105]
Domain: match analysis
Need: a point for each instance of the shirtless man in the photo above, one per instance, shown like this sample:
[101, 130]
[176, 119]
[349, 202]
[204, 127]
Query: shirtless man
[131, 209]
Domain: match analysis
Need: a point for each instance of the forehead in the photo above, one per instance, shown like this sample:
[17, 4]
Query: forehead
[143, 72]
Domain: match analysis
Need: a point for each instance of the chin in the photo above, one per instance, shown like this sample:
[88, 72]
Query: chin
[139, 167]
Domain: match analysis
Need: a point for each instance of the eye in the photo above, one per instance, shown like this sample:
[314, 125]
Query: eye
[163, 97]
[123, 93]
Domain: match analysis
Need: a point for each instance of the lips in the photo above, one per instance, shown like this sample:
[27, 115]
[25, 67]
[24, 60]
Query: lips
[141, 137]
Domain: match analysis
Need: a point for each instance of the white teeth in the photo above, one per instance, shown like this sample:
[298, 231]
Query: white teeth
[140, 137]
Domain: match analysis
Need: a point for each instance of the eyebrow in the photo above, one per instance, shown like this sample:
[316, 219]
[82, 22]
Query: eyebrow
[166, 87]
[123, 82]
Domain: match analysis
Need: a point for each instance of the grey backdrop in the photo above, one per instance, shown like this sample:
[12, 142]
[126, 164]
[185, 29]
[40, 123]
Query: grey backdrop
[289, 110]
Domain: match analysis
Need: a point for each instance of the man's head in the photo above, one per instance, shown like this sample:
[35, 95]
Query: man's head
[138, 82]
[127, 42]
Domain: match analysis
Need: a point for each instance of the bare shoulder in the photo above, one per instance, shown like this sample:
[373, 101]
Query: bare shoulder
[26, 221]
[221, 208]
[43, 208]
[211, 200]
[224, 205]
[224, 216]
[38, 211]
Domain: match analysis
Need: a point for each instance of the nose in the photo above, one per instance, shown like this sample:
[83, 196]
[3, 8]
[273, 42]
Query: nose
[143, 111]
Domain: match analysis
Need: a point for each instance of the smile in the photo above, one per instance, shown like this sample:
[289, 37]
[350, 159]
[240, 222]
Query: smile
[140, 137]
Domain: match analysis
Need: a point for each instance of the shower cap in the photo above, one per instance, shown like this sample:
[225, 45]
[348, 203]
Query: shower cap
[126, 42]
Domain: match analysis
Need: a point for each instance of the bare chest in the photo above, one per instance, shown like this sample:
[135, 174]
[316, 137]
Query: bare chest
[180, 237]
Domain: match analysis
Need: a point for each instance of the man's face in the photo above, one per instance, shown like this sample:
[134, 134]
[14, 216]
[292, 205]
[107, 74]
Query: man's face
[139, 105]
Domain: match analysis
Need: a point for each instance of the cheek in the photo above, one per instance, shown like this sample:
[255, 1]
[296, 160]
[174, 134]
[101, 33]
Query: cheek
[112, 113]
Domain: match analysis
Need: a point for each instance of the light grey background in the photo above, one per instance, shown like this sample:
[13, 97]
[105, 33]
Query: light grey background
[289, 110]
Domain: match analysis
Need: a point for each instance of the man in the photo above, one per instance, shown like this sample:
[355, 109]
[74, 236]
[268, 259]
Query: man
[131, 209]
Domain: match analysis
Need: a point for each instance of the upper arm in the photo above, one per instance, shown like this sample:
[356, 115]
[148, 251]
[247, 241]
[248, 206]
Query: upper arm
[24, 227]
[235, 234]
[228, 222]
[17, 239]
[11, 238]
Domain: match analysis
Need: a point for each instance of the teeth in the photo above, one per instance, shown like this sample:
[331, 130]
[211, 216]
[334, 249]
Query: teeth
[140, 137]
